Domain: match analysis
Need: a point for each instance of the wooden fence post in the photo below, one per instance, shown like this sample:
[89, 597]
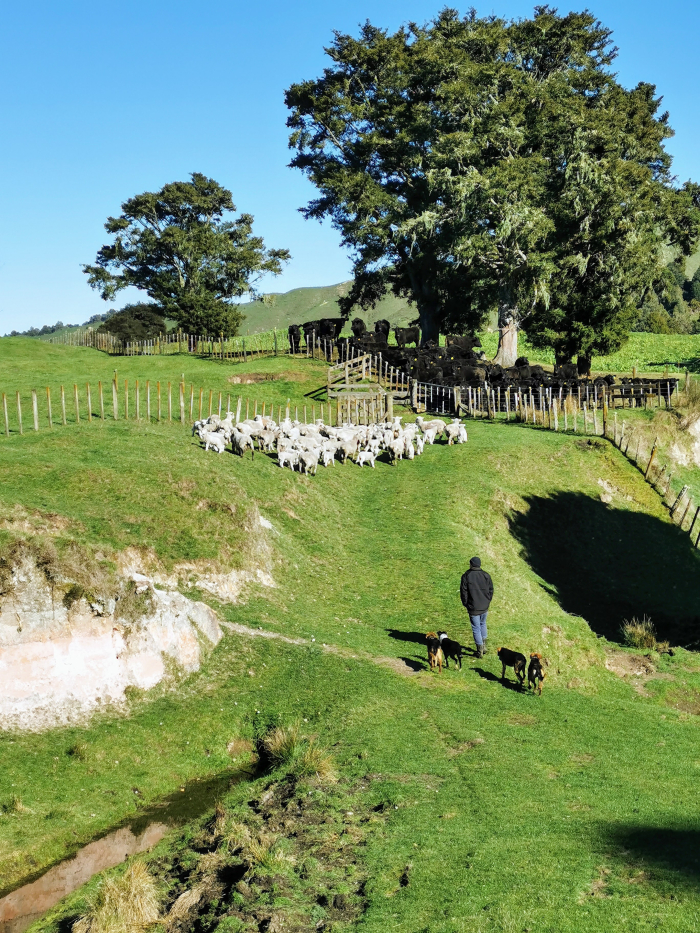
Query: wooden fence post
[182, 402]
[48, 406]
[77, 403]
[286, 413]
[63, 405]
[159, 402]
[115, 398]
[651, 459]
[19, 413]
[89, 401]
[126, 399]
[35, 410]
[170, 401]
[680, 495]
[201, 402]
[4, 411]
[148, 400]
[192, 402]
[137, 400]
[238, 409]
[211, 402]
[256, 406]
[102, 400]
[695, 518]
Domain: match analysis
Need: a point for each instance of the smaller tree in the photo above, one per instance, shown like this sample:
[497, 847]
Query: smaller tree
[141, 321]
[177, 245]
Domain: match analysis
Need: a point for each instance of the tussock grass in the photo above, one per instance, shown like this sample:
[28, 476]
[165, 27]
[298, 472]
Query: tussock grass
[286, 748]
[641, 633]
[128, 903]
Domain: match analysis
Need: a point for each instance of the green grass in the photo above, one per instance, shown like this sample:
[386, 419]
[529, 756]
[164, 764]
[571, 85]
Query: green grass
[27, 364]
[569, 812]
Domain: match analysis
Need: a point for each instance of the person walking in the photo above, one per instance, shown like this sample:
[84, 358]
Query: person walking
[476, 592]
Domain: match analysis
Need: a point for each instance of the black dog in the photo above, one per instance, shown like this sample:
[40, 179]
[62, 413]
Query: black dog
[513, 659]
[451, 649]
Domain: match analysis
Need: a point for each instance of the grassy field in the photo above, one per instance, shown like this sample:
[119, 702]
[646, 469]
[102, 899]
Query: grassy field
[499, 810]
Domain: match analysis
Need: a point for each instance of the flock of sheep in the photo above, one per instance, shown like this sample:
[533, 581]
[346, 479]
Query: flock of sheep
[305, 446]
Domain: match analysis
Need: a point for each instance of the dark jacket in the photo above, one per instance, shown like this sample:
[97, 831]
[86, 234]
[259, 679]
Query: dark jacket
[476, 591]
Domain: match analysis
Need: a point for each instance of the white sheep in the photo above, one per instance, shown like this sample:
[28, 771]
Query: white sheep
[429, 435]
[308, 461]
[408, 450]
[327, 457]
[214, 440]
[436, 423]
[288, 458]
[462, 435]
[240, 442]
[452, 432]
[365, 456]
[419, 444]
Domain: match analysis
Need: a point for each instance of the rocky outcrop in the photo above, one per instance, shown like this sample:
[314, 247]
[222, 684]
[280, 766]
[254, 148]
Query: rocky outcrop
[61, 659]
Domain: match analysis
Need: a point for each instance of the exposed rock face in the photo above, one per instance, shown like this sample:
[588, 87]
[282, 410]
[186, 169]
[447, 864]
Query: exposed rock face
[59, 664]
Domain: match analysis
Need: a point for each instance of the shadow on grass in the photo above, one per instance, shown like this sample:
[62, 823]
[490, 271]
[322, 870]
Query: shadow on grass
[673, 852]
[415, 664]
[418, 638]
[608, 564]
[494, 678]
[692, 364]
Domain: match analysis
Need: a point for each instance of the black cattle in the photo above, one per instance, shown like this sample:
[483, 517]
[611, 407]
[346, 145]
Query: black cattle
[406, 335]
[566, 371]
[382, 327]
[294, 333]
[331, 327]
[522, 361]
[310, 328]
[358, 327]
[464, 341]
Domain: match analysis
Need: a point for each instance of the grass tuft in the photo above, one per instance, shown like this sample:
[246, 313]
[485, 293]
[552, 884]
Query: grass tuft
[641, 633]
[129, 903]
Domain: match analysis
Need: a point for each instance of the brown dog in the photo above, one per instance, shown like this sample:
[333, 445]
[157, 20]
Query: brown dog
[515, 660]
[535, 673]
[435, 656]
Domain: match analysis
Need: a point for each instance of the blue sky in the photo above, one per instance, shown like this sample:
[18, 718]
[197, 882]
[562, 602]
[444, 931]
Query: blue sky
[101, 101]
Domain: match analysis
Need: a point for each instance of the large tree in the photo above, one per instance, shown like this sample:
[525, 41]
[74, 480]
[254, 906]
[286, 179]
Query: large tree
[476, 164]
[180, 247]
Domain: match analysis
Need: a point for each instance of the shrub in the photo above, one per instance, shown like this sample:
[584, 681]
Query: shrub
[127, 904]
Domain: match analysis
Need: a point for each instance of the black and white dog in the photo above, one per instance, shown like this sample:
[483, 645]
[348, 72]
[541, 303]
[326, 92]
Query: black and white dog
[451, 649]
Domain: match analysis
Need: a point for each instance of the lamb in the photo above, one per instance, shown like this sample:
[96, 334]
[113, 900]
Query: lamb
[409, 452]
[420, 443]
[429, 435]
[365, 456]
[214, 440]
[436, 423]
[266, 440]
[308, 461]
[396, 449]
[288, 458]
[240, 442]
[462, 435]
[452, 432]
[327, 457]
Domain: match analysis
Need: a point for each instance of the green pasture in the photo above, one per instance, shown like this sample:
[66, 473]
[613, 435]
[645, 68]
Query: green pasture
[499, 810]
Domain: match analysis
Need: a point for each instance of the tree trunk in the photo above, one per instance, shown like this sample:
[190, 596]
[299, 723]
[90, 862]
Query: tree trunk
[429, 327]
[508, 328]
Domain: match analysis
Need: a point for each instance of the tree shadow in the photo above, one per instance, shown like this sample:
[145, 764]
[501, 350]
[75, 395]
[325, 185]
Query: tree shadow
[673, 851]
[608, 565]
[494, 678]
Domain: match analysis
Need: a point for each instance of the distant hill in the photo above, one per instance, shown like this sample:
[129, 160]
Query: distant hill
[310, 304]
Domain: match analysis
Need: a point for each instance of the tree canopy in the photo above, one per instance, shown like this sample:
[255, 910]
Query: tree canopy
[138, 321]
[479, 163]
[179, 246]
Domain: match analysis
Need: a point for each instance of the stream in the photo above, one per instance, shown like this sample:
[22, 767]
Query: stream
[21, 907]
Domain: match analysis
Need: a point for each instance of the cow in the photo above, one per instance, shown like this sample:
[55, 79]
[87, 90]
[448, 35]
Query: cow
[566, 371]
[358, 327]
[311, 328]
[294, 333]
[464, 342]
[382, 327]
[406, 335]
[331, 327]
